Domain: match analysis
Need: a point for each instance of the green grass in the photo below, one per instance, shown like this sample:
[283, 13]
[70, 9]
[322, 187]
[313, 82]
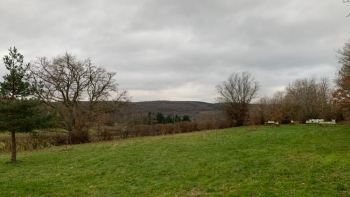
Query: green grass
[294, 160]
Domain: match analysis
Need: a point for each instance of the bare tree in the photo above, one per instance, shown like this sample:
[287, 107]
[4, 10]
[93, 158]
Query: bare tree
[262, 108]
[311, 97]
[324, 99]
[271, 108]
[235, 95]
[79, 90]
[275, 106]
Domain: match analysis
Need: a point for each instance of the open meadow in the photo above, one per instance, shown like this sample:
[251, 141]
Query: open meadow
[290, 160]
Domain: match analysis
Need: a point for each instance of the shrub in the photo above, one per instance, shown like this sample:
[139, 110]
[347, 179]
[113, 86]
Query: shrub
[59, 139]
[186, 126]
[104, 135]
[142, 130]
[159, 129]
[222, 124]
[80, 136]
[169, 128]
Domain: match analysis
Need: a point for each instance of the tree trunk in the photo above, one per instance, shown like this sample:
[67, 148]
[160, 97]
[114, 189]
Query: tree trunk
[14, 148]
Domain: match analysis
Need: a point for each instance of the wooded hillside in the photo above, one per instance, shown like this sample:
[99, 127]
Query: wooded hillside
[194, 109]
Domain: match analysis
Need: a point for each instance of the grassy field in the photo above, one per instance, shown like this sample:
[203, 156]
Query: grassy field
[293, 160]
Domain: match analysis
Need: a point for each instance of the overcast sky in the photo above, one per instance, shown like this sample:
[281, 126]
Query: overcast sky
[180, 50]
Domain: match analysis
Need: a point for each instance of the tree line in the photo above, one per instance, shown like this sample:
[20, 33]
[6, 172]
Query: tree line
[50, 93]
[161, 119]
[158, 118]
[65, 92]
[303, 99]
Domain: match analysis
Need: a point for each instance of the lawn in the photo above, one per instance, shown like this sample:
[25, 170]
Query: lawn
[291, 160]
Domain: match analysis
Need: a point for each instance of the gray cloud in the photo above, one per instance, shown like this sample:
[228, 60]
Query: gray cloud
[180, 50]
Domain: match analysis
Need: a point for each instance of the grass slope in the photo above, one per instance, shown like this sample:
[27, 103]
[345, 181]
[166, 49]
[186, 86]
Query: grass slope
[299, 160]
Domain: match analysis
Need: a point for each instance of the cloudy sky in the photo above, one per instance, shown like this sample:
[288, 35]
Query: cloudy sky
[180, 50]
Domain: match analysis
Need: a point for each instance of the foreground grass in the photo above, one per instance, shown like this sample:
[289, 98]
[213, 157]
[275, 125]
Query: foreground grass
[299, 160]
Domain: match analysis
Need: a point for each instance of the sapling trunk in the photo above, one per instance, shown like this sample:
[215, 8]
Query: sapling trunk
[13, 147]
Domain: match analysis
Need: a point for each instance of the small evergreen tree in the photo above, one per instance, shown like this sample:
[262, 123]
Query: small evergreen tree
[169, 119]
[160, 118]
[19, 110]
[186, 118]
[177, 118]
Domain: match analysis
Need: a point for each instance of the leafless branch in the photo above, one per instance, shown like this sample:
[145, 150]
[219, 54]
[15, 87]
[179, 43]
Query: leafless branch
[81, 88]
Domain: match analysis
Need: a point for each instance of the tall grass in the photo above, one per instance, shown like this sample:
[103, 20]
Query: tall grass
[295, 160]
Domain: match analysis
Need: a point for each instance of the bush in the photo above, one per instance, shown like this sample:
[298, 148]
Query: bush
[195, 126]
[142, 130]
[80, 136]
[104, 135]
[188, 126]
[159, 129]
[169, 128]
[59, 139]
[31, 142]
[222, 124]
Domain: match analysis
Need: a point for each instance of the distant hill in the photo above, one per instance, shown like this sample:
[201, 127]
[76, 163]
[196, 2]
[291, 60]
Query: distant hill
[191, 108]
